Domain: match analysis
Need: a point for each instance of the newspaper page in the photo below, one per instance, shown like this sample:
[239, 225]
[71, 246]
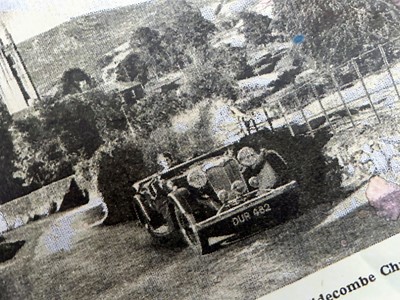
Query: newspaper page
[199, 149]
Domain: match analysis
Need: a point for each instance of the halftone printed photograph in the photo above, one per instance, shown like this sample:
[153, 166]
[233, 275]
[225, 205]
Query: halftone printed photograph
[194, 149]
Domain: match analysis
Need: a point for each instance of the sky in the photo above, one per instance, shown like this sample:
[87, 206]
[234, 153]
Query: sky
[27, 18]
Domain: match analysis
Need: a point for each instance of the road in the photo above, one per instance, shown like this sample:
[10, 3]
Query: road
[66, 257]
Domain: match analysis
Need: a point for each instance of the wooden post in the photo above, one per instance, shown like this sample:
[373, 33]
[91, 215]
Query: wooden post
[296, 98]
[316, 95]
[269, 121]
[128, 122]
[342, 98]
[354, 63]
[240, 122]
[389, 70]
[284, 116]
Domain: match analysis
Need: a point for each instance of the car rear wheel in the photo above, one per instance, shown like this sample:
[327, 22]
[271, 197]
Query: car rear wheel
[161, 229]
[195, 239]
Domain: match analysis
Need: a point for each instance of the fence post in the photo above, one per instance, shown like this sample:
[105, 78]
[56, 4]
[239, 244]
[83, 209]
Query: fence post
[316, 95]
[296, 98]
[354, 63]
[342, 98]
[131, 130]
[240, 123]
[383, 54]
[284, 116]
[269, 120]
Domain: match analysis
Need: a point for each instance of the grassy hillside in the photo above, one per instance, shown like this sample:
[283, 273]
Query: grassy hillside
[83, 42]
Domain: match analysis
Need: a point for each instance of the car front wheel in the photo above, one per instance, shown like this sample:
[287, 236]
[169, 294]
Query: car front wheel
[195, 239]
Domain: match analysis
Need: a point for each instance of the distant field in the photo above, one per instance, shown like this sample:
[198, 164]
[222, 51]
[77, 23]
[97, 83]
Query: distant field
[81, 43]
[84, 41]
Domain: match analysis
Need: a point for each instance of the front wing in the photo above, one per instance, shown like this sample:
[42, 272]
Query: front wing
[259, 207]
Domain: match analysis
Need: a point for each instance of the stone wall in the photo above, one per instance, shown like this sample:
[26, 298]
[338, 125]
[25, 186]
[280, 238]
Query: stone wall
[366, 152]
[39, 203]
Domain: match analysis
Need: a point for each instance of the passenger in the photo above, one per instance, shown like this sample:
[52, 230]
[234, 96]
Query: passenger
[259, 168]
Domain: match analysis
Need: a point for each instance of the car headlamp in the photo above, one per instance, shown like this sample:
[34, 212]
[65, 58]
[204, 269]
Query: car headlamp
[223, 196]
[253, 182]
[239, 186]
[197, 178]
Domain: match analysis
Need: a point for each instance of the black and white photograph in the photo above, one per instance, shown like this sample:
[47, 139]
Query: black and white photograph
[193, 149]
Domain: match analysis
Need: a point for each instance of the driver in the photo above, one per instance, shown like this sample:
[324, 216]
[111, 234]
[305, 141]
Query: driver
[160, 188]
[165, 161]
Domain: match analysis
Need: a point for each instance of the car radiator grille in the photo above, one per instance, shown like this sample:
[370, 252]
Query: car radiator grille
[222, 176]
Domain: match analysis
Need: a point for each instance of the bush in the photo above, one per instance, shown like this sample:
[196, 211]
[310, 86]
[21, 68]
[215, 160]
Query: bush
[74, 197]
[118, 171]
[319, 179]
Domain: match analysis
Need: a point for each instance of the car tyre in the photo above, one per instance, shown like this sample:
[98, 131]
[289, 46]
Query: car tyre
[195, 239]
[165, 233]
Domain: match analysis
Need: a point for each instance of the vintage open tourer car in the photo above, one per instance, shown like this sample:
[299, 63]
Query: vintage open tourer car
[223, 192]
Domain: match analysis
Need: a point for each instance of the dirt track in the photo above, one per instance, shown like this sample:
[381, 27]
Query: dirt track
[122, 262]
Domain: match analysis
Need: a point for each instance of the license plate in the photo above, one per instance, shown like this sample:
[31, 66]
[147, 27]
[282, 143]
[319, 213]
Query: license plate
[255, 212]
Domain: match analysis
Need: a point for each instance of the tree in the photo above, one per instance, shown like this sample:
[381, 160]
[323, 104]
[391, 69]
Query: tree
[256, 28]
[155, 110]
[232, 61]
[206, 81]
[108, 116]
[73, 122]
[65, 133]
[214, 73]
[186, 30]
[10, 187]
[338, 30]
[164, 50]
[41, 155]
[201, 136]
[175, 49]
[133, 68]
[146, 38]
[75, 81]
[161, 140]
[192, 29]
[197, 139]
[147, 42]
